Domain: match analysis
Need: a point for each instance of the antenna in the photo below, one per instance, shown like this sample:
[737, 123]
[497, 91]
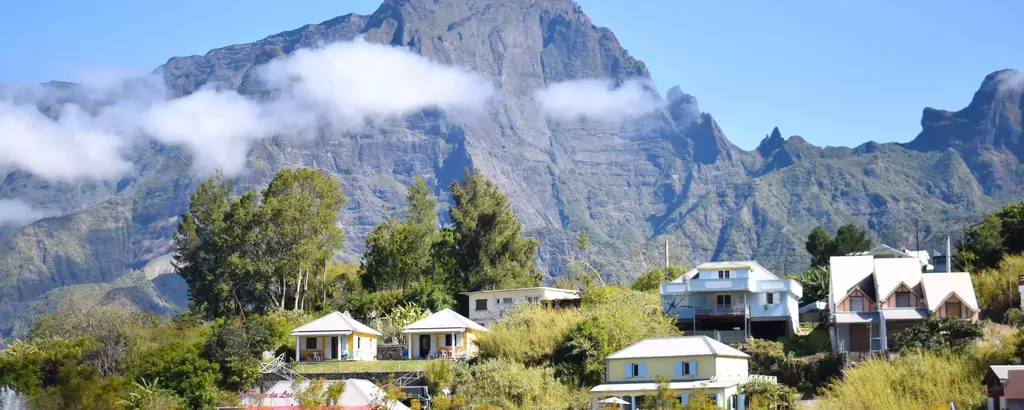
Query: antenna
[949, 265]
[666, 254]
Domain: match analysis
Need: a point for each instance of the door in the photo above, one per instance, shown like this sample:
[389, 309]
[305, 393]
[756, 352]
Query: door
[859, 338]
[424, 345]
[334, 348]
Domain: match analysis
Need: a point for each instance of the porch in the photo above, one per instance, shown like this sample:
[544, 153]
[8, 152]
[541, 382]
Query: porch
[339, 346]
[433, 345]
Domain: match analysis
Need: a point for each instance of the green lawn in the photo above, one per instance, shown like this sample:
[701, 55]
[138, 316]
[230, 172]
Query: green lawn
[361, 366]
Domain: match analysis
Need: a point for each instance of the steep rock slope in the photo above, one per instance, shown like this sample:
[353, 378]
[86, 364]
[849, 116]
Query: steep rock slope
[672, 175]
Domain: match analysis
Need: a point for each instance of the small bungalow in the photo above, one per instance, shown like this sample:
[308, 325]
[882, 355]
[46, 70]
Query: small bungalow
[336, 336]
[444, 334]
[1005, 387]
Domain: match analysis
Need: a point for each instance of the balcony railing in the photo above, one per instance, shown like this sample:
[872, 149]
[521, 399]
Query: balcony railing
[722, 310]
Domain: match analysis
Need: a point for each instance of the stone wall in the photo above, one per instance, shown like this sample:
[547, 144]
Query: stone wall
[389, 352]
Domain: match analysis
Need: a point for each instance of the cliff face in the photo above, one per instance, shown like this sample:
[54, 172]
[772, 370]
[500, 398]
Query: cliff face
[668, 175]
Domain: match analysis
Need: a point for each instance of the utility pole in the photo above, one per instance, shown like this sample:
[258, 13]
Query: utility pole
[949, 264]
[917, 235]
[666, 254]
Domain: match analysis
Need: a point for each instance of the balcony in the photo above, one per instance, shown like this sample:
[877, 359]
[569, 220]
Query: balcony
[722, 310]
[707, 285]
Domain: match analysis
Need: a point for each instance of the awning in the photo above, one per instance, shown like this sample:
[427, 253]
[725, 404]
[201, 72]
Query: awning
[857, 317]
[616, 388]
[904, 314]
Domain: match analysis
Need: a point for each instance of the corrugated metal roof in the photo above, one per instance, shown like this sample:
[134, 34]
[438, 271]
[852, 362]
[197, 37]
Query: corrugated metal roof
[443, 320]
[939, 286]
[681, 346]
[335, 322]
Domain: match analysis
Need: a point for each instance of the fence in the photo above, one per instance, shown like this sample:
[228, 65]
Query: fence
[724, 336]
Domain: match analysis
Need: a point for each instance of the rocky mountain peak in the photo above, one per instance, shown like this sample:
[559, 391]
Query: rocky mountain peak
[682, 107]
[771, 143]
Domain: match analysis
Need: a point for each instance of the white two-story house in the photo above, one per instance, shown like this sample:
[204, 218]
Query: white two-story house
[876, 295]
[738, 299]
[487, 306]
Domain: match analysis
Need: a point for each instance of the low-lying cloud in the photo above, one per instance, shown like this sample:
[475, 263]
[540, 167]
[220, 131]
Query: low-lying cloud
[16, 212]
[342, 86]
[598, 100]
[1010, 80]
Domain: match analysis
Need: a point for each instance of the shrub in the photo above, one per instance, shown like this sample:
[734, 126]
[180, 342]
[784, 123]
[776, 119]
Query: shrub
[613, 318]
[440, 374]
[181, 370]
[807, 373]
[913, 380]
[546, 327]
[938, 333]
[505, 384]
[770, 396]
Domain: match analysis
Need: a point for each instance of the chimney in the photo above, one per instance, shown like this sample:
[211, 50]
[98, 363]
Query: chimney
[903, 249]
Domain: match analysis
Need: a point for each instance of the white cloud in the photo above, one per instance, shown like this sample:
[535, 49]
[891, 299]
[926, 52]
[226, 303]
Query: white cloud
[1010, 80]
[598, 100]
[17, 212]
[75, 146]
[342, 85]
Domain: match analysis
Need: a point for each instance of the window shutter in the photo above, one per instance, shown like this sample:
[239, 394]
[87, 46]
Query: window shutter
[685, 398]
[629, 370]
[643, 370]
[679, 369]
[693, 368]
[718, 399]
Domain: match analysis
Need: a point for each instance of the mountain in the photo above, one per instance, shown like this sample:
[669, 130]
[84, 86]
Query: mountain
[671, 175]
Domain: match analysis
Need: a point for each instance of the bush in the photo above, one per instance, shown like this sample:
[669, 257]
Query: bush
[770, 396]
[913, 380]
[180, 369]
[547, 328]
[807, 373]
[509, 385]
[938, 333]
[613, 318]
[440, 374]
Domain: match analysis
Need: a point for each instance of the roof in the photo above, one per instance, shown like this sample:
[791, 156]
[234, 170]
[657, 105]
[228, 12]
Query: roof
[699, 384]
[679, 346]
[847, 271]
[1003, 371]
[518, 289]
[904, 314]
[359, 394]
[939, 286]
[813, 306]
[890, 273]
[857, 317]
[442, 321]
[884, 250]
[752, 265]
[333, 323]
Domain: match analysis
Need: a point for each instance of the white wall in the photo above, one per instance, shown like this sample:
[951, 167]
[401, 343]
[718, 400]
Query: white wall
[496, 306]
[730, 366]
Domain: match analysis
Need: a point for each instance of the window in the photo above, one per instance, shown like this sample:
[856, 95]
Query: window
[448, 340]
[636, 370]
[856, 303]
[724, 300]
[724, 274]
[532, 299]
[902, 299]
[769, 298]
[481, 304]
[685, 369]
[953, 309]
[506, 301]
[359, 342]
[311, 343]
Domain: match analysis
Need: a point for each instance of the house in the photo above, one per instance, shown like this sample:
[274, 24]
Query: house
[487, 306]
[442, 334]
[874, 296]
[690, 364]
[336, 336]
[1005, 387]
[741, 299]
[814, 312]
[359, 394]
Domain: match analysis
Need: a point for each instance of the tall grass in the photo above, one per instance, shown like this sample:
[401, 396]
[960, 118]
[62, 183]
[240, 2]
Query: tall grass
[913, 380]
[529, 334]
[509, 385]
[997, 288]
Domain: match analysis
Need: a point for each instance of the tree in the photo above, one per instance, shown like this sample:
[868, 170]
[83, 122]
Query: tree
[815, 283]
[400, 253]
[938, 333]
[487, 248]
[819, 245]
[999, 234]
[196, 256]
[849, 239]
[183, 371]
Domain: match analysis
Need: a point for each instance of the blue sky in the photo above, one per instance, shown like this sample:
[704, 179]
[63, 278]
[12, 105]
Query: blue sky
[834, 72]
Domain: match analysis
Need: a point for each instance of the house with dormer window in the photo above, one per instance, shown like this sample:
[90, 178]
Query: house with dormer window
[877, 295]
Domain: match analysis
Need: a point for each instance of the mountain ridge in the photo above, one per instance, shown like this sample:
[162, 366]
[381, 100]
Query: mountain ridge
[670, 175]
